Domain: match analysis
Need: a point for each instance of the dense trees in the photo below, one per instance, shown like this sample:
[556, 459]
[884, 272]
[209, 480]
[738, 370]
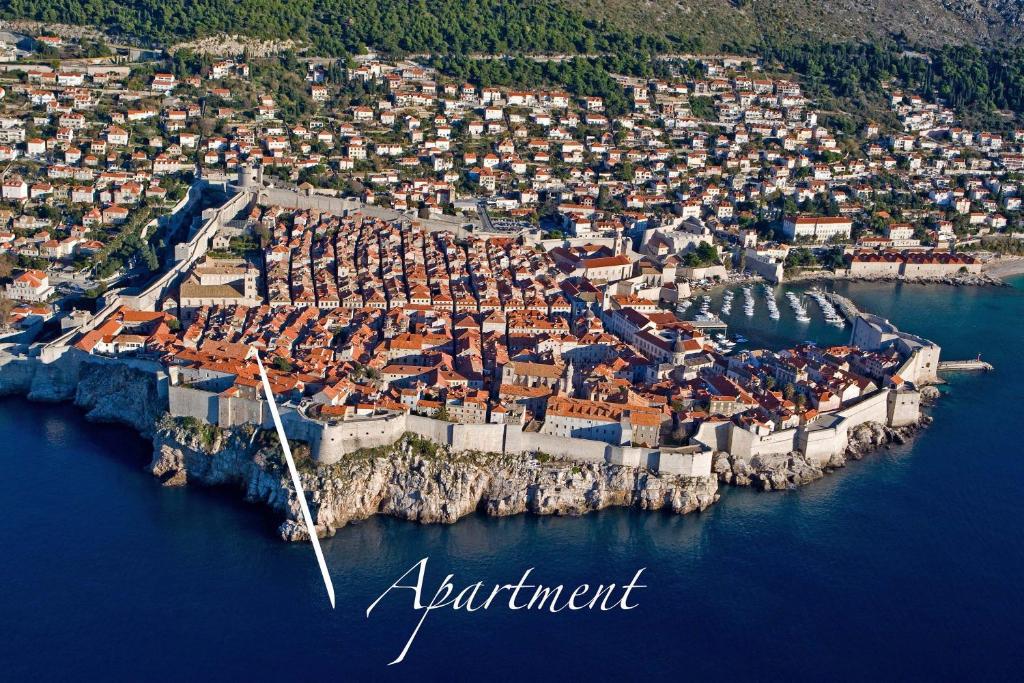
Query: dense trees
[702, 108]
[131, 251]
[802, 257]
[349, 26]
[704, 255]
[968, 78]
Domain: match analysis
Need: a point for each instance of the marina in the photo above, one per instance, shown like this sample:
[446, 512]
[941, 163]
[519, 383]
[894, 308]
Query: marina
[799, 310]
[748, 301]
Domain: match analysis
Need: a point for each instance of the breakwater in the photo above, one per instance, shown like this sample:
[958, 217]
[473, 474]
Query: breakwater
[966, 365]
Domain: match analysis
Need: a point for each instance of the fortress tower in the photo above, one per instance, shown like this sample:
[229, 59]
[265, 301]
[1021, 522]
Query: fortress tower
[250, 177]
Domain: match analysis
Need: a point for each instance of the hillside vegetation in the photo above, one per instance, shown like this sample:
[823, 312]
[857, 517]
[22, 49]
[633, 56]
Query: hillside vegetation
[553, 26]
[349, 26]
[817, 39]
[725, 23]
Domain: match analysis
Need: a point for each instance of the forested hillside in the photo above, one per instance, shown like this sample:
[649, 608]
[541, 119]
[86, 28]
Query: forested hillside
[790, 34]
[346, 26]
[458, 26]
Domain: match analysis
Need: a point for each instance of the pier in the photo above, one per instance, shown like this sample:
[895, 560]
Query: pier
[845, 306]
[976, 364]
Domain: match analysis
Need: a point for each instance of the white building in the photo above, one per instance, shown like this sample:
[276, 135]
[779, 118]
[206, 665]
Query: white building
[15, 188]
[32, 285]
[820, 228]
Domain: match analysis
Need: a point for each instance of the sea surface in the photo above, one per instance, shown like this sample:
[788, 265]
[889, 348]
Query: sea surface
[908, 565]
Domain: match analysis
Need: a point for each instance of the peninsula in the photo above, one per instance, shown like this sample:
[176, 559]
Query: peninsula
[421, 375]
[472, 297]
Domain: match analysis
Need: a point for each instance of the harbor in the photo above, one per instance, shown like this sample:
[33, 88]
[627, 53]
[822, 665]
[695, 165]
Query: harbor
[759, 317]
[844, 305]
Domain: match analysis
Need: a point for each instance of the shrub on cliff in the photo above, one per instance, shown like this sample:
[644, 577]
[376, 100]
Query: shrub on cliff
[205, 432]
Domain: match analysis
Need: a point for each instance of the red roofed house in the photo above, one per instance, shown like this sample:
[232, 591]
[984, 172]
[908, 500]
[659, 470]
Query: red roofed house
[32, 285]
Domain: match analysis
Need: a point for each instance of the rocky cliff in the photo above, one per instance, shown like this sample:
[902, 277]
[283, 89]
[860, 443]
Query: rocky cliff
[774, 472]
[117, 392]
[414, 479]
[108, 390]
[16, 374]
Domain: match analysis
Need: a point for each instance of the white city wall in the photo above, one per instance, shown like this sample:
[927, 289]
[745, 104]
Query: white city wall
[331, 442]
[888, 407]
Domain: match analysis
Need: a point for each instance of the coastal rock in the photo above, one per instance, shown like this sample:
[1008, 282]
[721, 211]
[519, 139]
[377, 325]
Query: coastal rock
[866, 438]
[871, 436]
[16, 374]
[767, 472]
[413, 480]
[128, 392]
[775, 472]
[118, 392]
[56, 381]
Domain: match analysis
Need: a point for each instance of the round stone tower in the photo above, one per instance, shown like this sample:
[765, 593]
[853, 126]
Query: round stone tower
[250, 177]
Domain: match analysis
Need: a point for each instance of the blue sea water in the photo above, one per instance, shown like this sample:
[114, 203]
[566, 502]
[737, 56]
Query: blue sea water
[905, 566]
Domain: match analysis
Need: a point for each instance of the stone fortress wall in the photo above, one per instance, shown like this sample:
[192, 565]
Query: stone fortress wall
[51, 372]
[827, 436]
[331, 442]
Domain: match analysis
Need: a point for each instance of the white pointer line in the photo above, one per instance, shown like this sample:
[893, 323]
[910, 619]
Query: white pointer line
[295, 481]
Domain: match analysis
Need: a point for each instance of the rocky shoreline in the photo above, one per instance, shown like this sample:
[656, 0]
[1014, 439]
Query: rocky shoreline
[414, 479]
[777, 472]
[417, 480]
